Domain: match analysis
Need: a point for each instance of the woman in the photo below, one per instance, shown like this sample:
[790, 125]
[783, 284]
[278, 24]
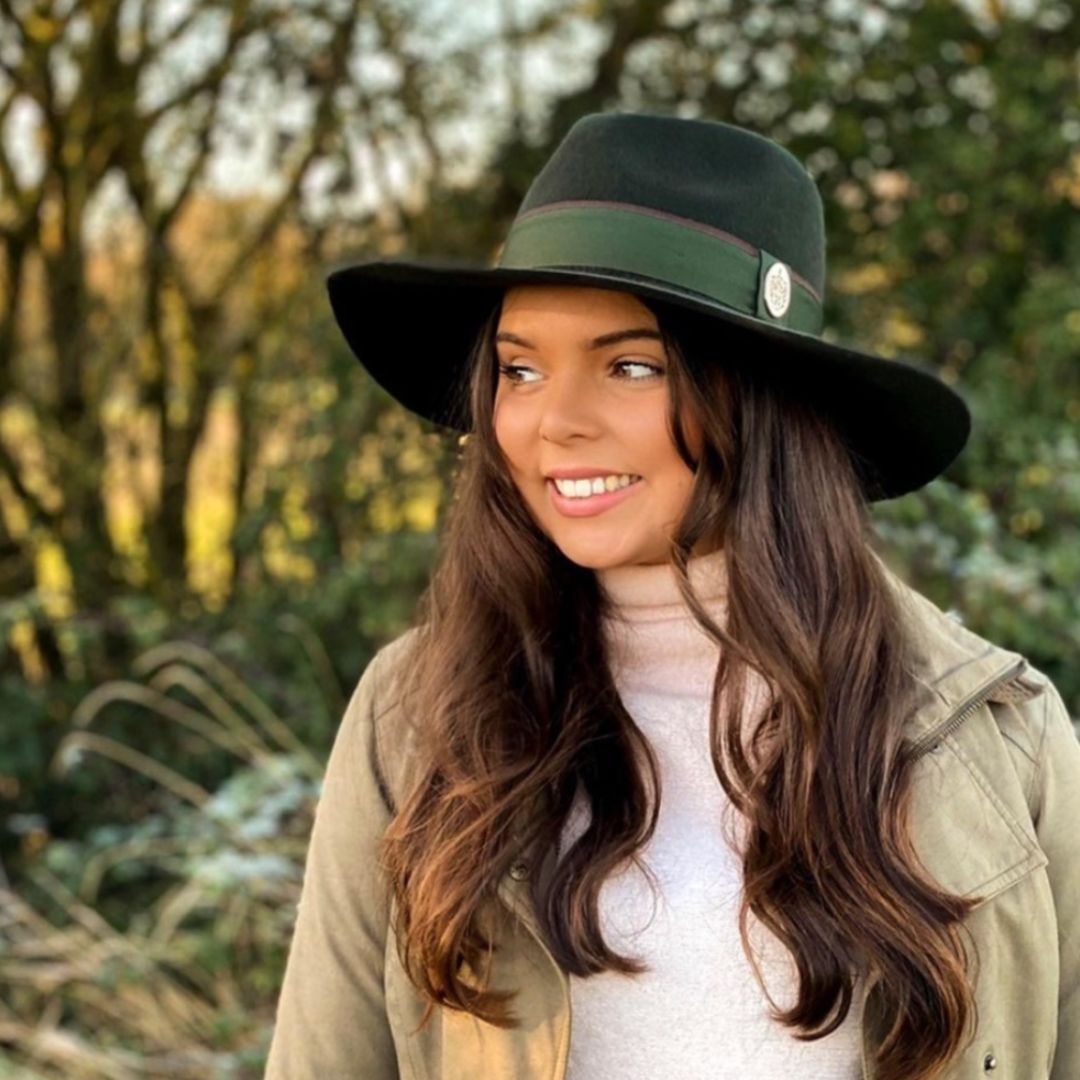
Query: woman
[673, 775]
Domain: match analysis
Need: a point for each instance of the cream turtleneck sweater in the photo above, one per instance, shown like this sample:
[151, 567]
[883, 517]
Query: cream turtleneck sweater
[698, 1012]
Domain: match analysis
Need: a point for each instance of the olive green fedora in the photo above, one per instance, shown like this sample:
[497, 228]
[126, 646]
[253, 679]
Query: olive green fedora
[703, 215]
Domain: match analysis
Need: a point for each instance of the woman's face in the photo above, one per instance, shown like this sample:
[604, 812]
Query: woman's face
[587, 389]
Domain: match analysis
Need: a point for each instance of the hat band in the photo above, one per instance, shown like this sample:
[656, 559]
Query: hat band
[672, 251]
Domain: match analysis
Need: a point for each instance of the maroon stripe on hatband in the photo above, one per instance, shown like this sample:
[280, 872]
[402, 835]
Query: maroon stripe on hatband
[689, 223]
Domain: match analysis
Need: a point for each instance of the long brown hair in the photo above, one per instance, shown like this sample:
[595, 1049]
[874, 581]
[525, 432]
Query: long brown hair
[511, 684]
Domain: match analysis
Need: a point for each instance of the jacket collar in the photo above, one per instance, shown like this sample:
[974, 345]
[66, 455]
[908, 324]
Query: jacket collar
[953, 666]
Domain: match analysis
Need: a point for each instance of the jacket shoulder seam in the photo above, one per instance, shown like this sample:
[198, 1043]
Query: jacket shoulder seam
[380, 709]
[1040, 751]
[375, 750]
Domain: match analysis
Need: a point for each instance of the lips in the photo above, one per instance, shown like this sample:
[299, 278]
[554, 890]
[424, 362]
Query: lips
[592, 504]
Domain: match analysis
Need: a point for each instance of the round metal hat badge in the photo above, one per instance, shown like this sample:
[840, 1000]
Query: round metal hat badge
[777, 289]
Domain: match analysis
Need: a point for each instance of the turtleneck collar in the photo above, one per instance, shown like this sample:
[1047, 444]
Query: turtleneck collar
[655, 645]
[649, 592]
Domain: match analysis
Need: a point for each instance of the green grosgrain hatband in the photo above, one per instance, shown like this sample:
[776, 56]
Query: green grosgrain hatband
[658, 245]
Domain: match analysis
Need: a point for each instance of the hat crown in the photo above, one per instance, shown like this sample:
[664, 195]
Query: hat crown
[708, 172]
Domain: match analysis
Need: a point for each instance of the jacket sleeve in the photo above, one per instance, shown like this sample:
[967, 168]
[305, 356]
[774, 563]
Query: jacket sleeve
[1057, 823]
[331, 1019]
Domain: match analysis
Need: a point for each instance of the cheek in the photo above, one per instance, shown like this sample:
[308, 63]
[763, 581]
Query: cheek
[655, 448]
[673, 479]
[501, 424]
[515, 436]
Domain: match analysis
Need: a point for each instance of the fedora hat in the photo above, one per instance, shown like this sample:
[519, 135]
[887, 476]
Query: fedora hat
[700, 214]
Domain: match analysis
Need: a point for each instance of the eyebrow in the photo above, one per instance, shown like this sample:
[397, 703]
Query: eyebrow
[597, 343]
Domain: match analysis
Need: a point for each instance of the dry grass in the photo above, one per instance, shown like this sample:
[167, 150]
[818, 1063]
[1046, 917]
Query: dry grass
[186, 988]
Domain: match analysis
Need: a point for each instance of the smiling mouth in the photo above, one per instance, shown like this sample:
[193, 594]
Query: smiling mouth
[633, 479]
[589, 506]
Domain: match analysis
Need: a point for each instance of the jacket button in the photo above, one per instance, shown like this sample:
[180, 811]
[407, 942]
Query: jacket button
[519, 871]
[989, 1062]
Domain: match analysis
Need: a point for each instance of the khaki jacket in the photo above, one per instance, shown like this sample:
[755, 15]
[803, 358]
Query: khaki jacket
[996, 812]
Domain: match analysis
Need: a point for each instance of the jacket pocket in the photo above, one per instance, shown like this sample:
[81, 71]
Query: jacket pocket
[970, 820]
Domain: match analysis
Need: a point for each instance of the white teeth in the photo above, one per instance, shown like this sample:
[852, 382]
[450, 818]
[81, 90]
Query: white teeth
[597, 485]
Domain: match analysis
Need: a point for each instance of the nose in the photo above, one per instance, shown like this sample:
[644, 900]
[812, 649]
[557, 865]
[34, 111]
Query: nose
[570, 404]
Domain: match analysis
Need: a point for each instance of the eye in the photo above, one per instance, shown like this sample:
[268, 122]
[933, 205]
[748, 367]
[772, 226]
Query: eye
[656, 370]
[510, 371]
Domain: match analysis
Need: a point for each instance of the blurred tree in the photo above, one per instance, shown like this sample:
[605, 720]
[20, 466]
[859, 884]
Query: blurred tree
[92, 85]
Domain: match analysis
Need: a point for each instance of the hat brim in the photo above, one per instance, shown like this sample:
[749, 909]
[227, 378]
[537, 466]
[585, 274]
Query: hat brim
[903, 423]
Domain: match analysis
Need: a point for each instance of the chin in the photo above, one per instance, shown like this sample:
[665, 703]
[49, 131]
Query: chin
[592, 559]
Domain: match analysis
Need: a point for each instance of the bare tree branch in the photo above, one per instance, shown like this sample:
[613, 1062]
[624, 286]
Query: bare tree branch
[322, 127]
[151, 51]
[242, 25]
[9, 13]
[204, 139]
[240, 28]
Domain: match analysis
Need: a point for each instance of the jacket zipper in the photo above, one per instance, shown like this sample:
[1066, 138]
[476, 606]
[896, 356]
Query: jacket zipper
[923, 745]
[949, 725]
[564, 982]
